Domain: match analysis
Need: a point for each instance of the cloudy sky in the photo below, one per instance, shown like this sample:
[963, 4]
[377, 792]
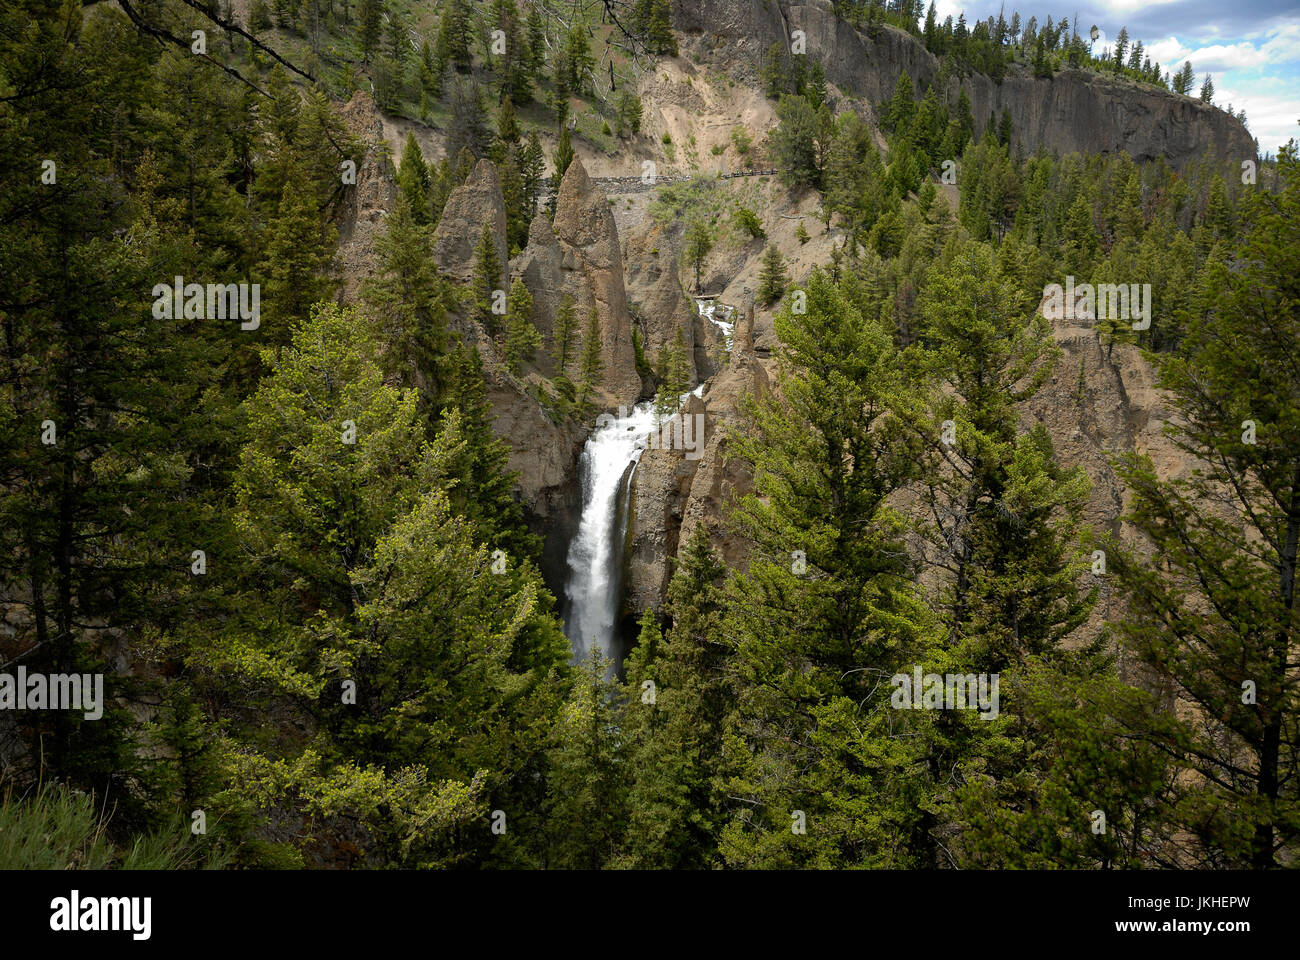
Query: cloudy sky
[1251, 47]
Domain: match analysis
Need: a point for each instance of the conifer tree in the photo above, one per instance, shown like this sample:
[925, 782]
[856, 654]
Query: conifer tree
[1213, 613]
[563, 155]
[536, 40]
[566, 325]
[592, 365]
[677, 375]
[297, 253]
[699, 241]
[674, 728]
[454, 34]
[825, 609]
[378, 584]
[413, 180]
[587, 782]
[658, 29]
[406, 298]
[486, 281]
[772, 279]
[522, 338]
[370, 22]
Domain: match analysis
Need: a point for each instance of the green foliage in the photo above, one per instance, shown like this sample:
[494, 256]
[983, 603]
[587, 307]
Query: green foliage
[591, 363]
[563, 155]
[629, 114]
[485, 285]
[772, 280]
[56, 828]
[699, 241]
[1217, 623]
[522, 339]
[675, 362]
[748, 221]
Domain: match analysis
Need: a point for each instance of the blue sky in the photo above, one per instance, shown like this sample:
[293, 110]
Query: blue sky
[1251, 47]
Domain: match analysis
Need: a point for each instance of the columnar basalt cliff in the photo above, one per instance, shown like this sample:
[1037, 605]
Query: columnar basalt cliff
[1075, 110]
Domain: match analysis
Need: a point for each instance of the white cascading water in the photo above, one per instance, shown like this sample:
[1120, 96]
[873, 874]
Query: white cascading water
[596, 552]
[709, 310]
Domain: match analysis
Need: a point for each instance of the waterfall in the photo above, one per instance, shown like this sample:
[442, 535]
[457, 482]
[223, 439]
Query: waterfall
[594, 588]
[709, 311]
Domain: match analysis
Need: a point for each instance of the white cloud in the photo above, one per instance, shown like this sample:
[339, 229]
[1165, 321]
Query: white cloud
[1272, 119]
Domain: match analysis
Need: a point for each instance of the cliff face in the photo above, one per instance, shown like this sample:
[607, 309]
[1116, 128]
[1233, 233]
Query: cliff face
[475, 202]
[361, 220]
[673, 495]
[542, 452]
[1074, 110]
[654, 284]
[591, 272]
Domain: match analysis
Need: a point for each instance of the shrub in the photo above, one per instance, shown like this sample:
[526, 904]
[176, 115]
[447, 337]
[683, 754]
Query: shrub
[749, 222]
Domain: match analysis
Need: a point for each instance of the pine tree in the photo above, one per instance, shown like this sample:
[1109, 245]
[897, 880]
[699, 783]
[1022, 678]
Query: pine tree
[699, 241]
[522, 338]
[370, 22]
[659, 32]
[1212, 614]
[592, 365]
[826, 609]
[898, 113]
[1207, 90]
[1121, 48]
[794, 143]
[536, 40]
[587, 782]
[513, 193]
[297, 253]
[532, 165]
[677, 375]
[485, 284]
[578, 60]
[413, 180]
[772, 279]
[377, 584]
[566, 325]
[675, 739]
[563, 155]
[1005, 127]
[405, 296]
[430, 72]
[629, 113]
[454, 33]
